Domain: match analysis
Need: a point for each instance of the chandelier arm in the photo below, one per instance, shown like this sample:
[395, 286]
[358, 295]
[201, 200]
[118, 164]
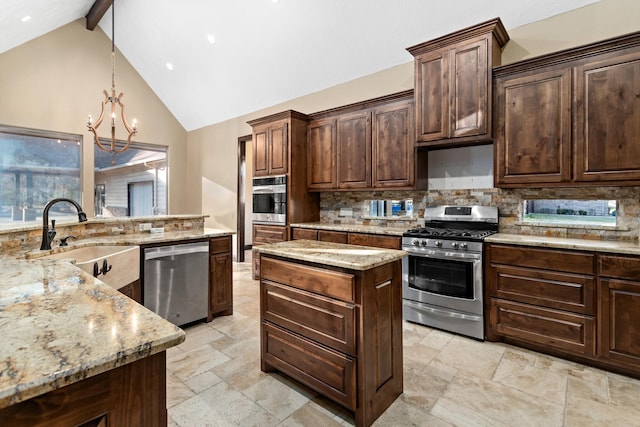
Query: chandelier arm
[93, 128]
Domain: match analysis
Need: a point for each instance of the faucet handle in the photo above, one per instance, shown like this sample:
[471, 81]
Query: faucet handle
[53, 224]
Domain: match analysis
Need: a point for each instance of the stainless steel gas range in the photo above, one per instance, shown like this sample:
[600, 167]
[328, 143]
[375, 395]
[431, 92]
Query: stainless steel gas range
[443, 275]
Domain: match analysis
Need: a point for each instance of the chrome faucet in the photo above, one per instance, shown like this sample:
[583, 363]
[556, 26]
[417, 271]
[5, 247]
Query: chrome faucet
[49, 233]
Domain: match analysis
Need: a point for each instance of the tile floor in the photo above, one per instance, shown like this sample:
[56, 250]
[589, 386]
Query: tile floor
[214, 379]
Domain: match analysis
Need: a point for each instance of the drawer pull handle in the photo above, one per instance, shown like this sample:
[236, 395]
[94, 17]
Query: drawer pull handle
[383, 284]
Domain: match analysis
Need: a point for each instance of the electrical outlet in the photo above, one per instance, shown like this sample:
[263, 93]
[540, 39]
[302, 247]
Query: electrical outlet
[145, 226]
[346, 212]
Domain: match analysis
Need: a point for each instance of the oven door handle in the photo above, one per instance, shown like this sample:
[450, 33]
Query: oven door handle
[463, 256]
[442, 313]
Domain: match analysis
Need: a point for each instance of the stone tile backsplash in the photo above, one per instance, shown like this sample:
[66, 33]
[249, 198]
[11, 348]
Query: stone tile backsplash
[510, 206]
[31, 236]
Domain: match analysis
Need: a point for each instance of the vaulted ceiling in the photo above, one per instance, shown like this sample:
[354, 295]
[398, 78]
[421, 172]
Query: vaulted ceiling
[264, 51]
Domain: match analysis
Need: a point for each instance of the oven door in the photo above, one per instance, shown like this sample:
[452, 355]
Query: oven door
[270, 205]
[445, 279]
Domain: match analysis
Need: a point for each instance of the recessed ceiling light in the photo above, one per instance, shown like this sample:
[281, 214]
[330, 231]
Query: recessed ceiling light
[211, 38]
[275, 1]
[25, 18]
[169, 66]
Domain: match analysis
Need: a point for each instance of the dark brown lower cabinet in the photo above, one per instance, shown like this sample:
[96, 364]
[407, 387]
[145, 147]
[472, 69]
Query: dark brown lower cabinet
[581, 305]
[620, 310]
[220, 277]
[132, 395]
[338, 331]
[133, 290]
[361, 239]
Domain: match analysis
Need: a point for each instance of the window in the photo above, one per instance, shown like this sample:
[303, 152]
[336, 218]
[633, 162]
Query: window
[131, 183]
[35, 167]
[568, 212]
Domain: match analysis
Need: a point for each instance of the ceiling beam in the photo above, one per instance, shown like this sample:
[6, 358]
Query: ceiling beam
[96, 13]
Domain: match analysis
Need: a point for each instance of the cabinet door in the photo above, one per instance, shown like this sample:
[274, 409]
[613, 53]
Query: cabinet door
[432, 95]
[304, 234]
[269, 233]
[533, 137]
[220, 277]
[393, 146]
[220, 285]
[468, 91]
[354, 150]
[620, 321]
[321, 152]
[260, 151]
[607, 116]
[278, 146]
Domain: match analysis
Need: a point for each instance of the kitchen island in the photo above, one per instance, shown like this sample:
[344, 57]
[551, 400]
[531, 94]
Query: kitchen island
[331, 318]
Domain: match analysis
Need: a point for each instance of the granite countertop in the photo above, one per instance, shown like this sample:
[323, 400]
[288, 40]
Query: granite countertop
[334, 254]
[613, 246]
[133, 239]
[60, 325]
[355, 228]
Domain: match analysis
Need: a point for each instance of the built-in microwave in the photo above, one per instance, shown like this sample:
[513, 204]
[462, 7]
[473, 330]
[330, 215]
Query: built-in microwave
[270, 200]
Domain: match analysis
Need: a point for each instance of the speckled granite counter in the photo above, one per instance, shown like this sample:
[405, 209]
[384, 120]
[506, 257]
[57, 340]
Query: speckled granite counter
[60, 325]
[354, 228]
[334, 254]
[613, 246]
[133, 239]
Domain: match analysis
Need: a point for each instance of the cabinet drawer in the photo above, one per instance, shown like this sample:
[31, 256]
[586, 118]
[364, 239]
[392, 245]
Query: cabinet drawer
[329, 283]
[621, 267]
[332, 236]
[303, 234]
[545, 259]
[330, 373]
[563, 291]
[219, 245]
[568, 332]
[322, 319]
[269, 234]
[387, 242]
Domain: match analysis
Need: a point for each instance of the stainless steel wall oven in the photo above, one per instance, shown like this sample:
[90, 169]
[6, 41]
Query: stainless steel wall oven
[443, 274]
[270, 200]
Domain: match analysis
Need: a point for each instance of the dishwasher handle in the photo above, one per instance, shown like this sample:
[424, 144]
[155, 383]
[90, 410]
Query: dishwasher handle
[168, 251]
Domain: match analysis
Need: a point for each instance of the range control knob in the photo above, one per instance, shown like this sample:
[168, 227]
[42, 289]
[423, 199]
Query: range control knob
[423, 242]
[463, 246]
[454, 245]
[438, 243]
[415, 242]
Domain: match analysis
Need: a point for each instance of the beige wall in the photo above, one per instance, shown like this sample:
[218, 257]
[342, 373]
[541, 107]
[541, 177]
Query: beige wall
[212, 150]
[54, 82]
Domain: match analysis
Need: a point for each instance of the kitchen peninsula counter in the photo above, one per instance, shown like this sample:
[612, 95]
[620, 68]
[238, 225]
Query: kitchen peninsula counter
[60, 325]
[66, 333]
[331, 317]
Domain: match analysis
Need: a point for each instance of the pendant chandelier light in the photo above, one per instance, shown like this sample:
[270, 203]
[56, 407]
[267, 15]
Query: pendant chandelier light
[113, 100]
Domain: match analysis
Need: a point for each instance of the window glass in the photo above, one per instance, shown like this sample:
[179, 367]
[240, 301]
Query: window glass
[587, 212]
[35, 167]
[131, 183]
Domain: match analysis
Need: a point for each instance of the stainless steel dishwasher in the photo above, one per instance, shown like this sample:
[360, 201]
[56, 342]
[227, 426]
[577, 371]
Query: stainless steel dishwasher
[176, 281]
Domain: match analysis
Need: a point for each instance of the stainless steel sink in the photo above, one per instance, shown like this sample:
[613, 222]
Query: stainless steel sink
[122, 262]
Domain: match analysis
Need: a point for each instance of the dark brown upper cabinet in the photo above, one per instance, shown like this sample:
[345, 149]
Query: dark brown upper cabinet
[453, 85]
[570, 118]
[270, 147]
[367, 145]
